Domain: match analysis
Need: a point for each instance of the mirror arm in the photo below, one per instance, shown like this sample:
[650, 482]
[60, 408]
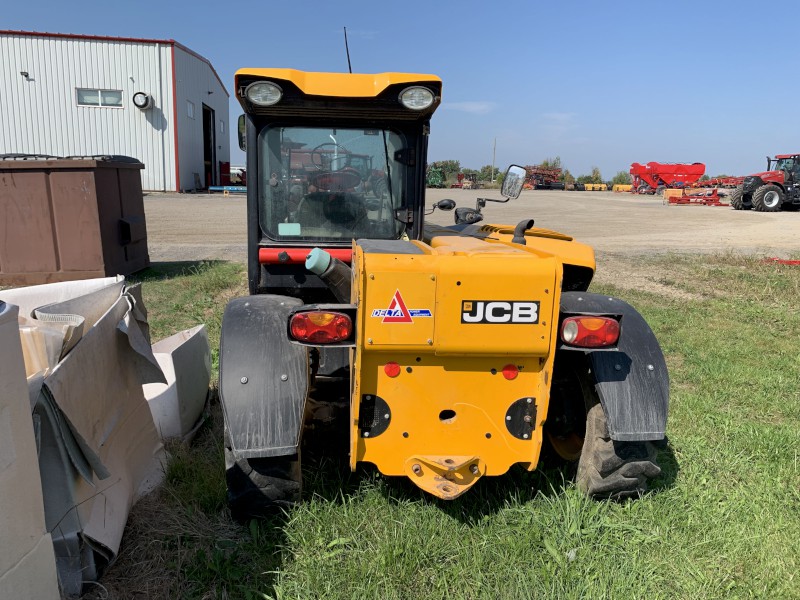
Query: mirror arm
[481, 203]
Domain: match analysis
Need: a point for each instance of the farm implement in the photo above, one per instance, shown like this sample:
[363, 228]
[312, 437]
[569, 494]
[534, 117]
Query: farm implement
[654, 177]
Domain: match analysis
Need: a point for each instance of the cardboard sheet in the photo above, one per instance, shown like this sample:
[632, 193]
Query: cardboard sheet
[98, 446]
[27, 564]
[177, 405]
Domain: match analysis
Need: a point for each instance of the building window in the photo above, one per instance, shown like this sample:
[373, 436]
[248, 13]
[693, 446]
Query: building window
[190, 109]
[97, 97]
[222, 126]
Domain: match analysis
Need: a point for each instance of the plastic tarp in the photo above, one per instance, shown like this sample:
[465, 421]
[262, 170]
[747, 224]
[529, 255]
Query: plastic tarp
[98, 446]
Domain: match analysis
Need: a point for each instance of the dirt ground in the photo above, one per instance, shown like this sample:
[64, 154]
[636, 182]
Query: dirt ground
[190, 227]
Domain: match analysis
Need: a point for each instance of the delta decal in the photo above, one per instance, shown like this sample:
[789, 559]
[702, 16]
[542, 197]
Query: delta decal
[398, 313]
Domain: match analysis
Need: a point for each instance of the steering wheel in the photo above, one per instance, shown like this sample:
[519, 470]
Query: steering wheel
[340, 181]
[325, 153]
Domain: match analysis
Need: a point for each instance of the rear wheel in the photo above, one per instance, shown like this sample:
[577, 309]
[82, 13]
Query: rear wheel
[740, 200]
[576, 432]
[571, 394]
[609, 469]
[259, 486]
[768, 198]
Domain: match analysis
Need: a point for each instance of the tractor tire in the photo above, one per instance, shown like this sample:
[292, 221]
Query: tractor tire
[613, 470]
[380, 189]
[740, 200]
[261, 486]
[768, 198]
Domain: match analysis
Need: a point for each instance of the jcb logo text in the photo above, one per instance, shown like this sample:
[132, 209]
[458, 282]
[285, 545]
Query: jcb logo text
[499, 311]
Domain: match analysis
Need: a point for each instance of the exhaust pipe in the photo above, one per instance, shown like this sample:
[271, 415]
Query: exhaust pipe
[332, 271]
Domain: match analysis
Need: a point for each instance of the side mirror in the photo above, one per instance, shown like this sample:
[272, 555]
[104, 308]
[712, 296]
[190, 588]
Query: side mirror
[445, 204]
[512, 182]
[242, 133]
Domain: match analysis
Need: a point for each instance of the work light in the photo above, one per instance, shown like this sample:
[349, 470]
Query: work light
[416, 98]
[263, 93]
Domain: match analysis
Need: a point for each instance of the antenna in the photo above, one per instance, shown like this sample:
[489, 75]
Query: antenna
[347, 49]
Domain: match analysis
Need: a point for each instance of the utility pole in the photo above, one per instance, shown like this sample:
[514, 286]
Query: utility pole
[494, 152]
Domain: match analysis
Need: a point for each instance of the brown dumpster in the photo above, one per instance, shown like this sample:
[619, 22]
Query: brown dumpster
[73, 218]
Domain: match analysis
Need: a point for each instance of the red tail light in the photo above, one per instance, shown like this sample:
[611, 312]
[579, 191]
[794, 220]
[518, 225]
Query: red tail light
[320, 327]
[590, 332]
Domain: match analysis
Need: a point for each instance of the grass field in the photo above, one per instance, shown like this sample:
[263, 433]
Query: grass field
[723, 520]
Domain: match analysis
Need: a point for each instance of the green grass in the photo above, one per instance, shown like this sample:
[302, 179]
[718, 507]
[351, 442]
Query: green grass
[181, 295]
[723, 520]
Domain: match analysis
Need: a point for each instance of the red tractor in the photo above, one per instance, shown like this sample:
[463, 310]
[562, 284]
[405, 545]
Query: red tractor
[775, 188]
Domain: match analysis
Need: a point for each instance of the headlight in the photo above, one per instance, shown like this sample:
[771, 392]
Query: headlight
[416, 98]
[263, 93]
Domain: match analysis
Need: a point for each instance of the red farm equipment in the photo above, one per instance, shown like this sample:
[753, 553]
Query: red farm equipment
[654, 177]
[720, 182]
[773, 189]
[705, 197]
[543, 178]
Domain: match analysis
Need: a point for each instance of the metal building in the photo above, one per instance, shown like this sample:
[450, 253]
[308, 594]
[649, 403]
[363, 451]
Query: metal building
[84, 95]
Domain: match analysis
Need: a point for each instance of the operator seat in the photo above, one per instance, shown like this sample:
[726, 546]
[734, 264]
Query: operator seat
[340, 212]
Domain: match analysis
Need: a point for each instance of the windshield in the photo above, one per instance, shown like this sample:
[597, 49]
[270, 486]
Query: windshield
[330, 184]
[784, 164]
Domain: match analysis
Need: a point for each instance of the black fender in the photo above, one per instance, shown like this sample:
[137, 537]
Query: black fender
[632, 380]
[263, 377]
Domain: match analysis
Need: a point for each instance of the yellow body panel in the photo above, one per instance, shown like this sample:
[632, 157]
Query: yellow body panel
[349, 85]
[545, 242]
[450, 404]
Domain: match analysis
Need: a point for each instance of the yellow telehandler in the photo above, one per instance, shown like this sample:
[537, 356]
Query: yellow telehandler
[449, 354]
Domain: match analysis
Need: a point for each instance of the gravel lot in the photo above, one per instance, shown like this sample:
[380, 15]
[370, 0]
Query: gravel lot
[190, 227]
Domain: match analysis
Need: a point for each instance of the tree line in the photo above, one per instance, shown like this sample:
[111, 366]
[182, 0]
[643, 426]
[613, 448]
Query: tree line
[451, 169]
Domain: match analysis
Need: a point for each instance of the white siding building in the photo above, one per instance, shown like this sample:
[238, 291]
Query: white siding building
[73, 95]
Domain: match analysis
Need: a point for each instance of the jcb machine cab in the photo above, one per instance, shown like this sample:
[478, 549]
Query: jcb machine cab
[450, 354]
[772, 189]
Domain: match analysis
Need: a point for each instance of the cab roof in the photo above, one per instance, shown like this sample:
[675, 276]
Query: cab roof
[345, 85]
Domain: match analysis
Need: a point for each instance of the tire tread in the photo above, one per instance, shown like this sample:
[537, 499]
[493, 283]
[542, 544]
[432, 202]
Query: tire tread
[260, 486]
[610, 469]
[760, 193]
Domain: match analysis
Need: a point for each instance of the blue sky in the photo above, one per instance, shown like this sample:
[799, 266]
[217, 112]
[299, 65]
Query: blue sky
[597, 83]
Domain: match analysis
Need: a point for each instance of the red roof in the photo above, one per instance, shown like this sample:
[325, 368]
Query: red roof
[787, 155]
[108, 38]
